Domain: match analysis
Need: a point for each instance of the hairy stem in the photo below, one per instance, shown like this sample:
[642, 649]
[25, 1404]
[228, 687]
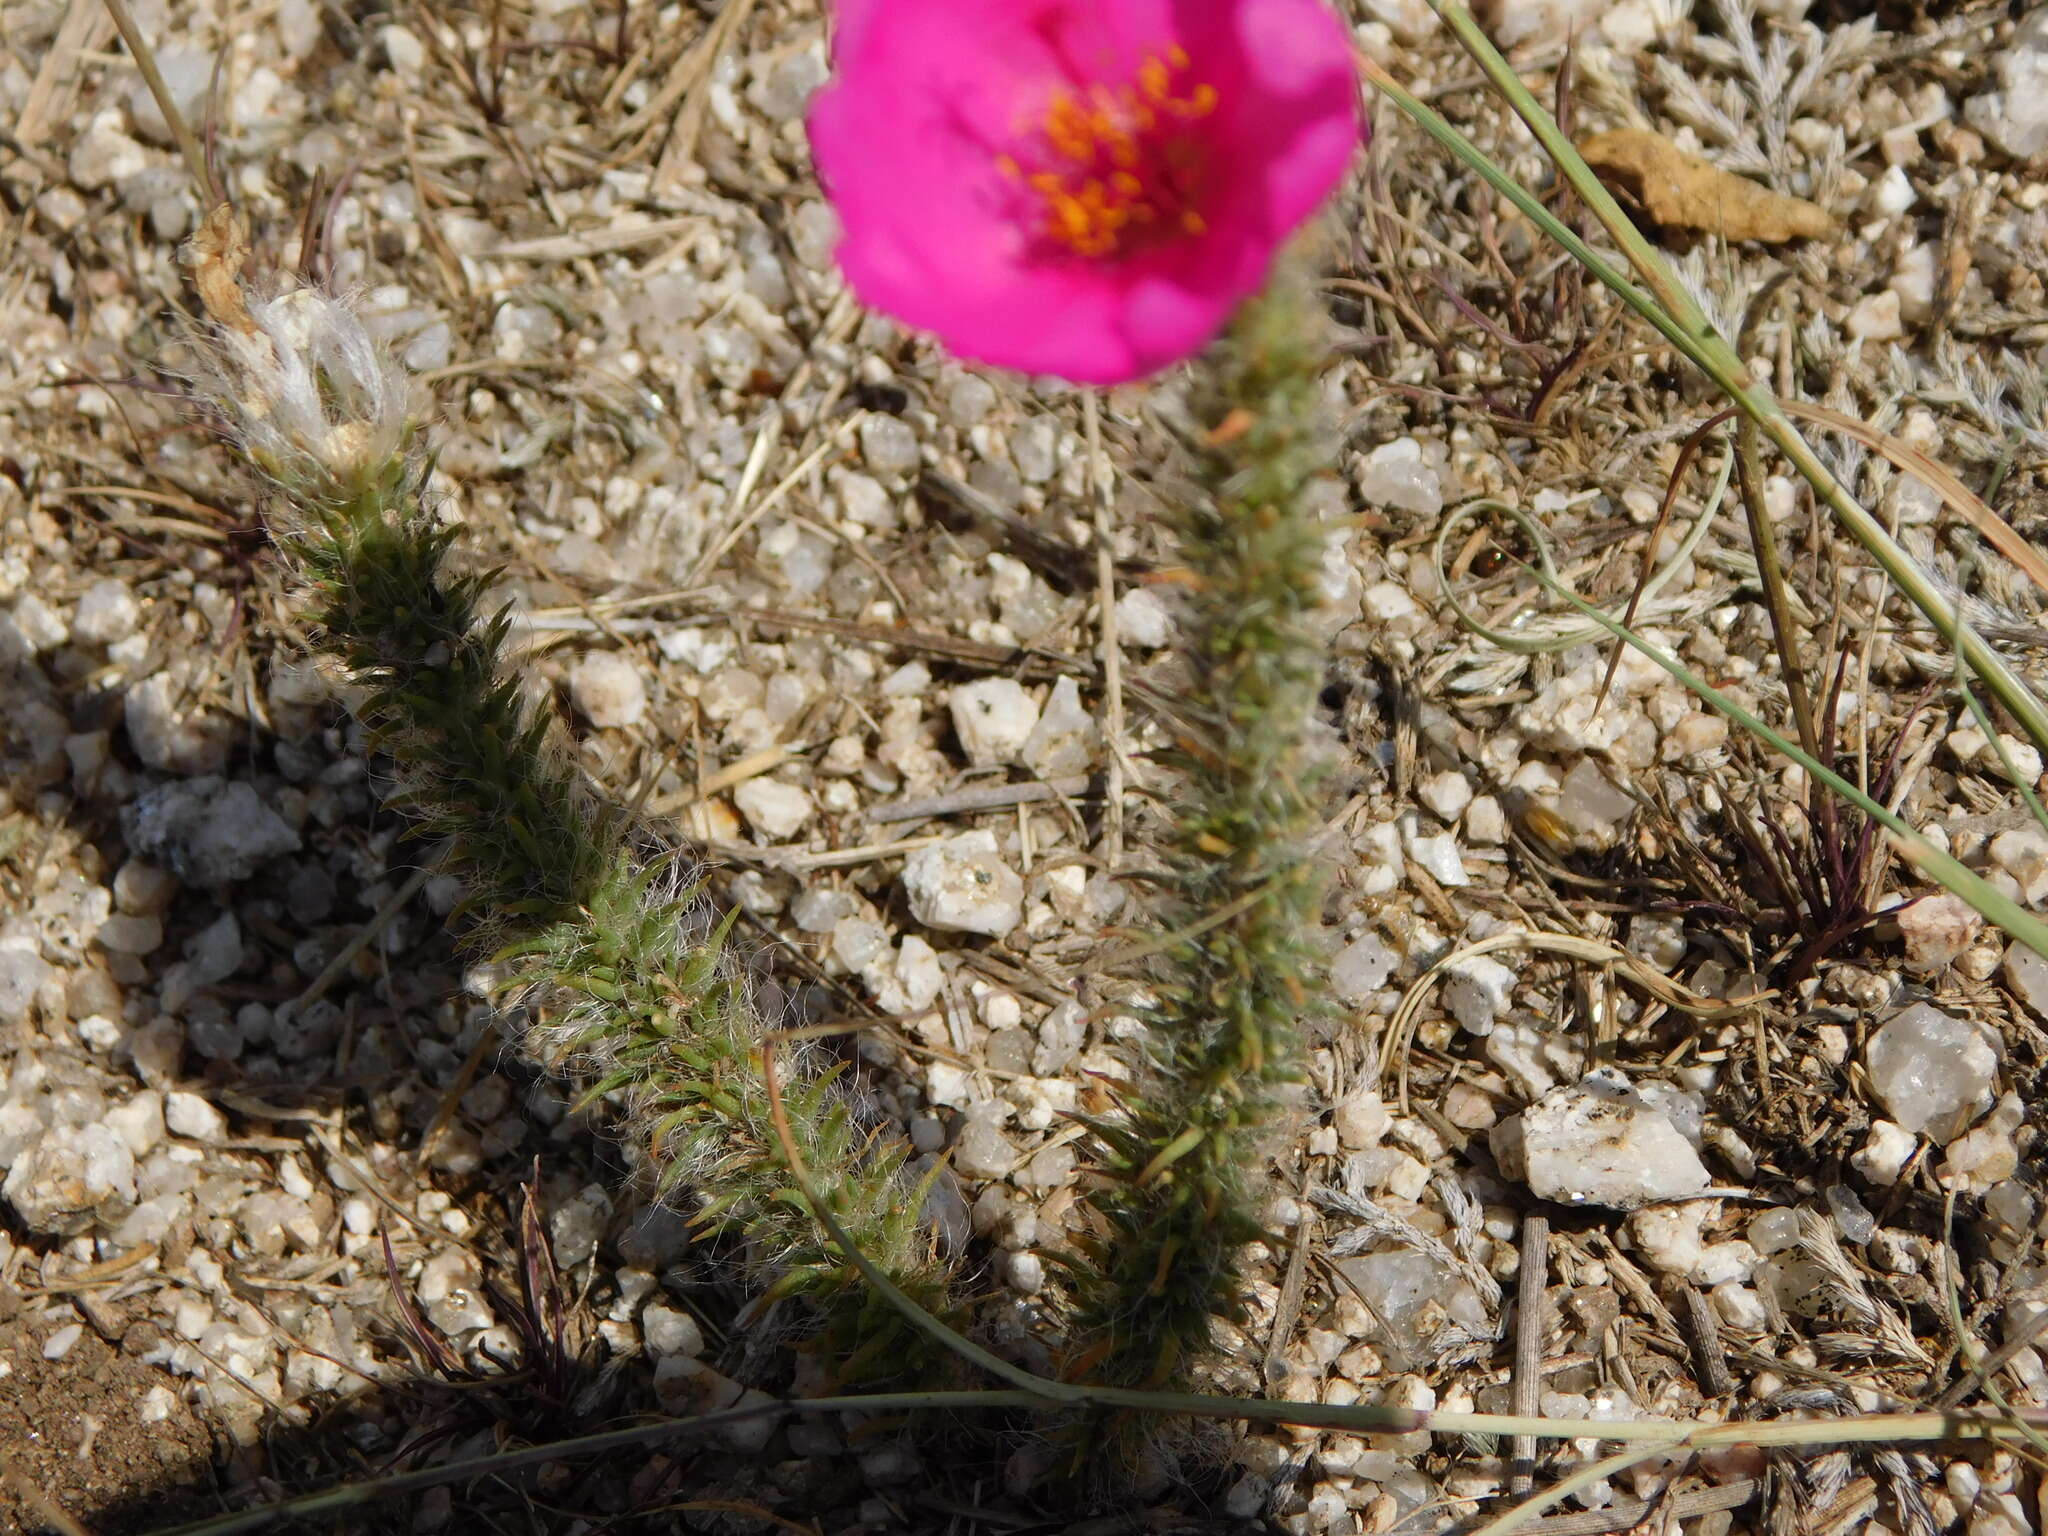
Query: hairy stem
[1184, 1154]
[625, 965]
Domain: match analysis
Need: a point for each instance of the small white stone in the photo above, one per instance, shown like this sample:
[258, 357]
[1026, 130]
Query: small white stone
[1741, 1308]
[1362, 968]
[982, 1150]
[1142, 619]
[1410, 21]
[887, 444]
[1034, 447]
[1447, 794]
[963, 884]
[2026, 758]
[1851, 1215]
[1914, 281]
[104, 156]
[1388, 603]
[139, 1121]
[190, 1116]
[1476, 991]
[1592, 807]
[1670, 1240]
[42, 626]
[967, 399]
[787, 87]
[948, 1085]
[1412, 1297]
[1051, 1168]
[2022, 852]
[1937, 929]
[1892, 193]
[1437, 855]
[1361, 1120]
[1394, 475]
[993, 717]
[1882, 1158]
[2026, 973]
[1598, 1142]
[206, 832]
[607, 690]
[1062, 743]
[772, 808]
[863, 500]
[1659, 940]
[918, 974]
[1696, 732]
[60, 1343]
[1875, 317]
[100, 1033]
[1539, 24]
[408, 55]
[2015, 115]
[670, 1332]
[125, 934]
[107, 613]
[1486, 824]
[1534, 1059]
[169, 732]
[23, 975]
[144, 887]
[1061, 1034]
[1977, 1160]
[215, 952]
[1932, 1072]
[1774, 1230]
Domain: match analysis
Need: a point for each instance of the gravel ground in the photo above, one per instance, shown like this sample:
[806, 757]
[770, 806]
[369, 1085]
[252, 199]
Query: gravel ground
[833, 603]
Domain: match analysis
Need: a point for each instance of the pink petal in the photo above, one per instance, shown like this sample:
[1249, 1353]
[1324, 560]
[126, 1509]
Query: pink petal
[932, 95]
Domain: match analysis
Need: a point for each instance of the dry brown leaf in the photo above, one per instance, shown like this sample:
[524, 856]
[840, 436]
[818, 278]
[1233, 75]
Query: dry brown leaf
[1682, 191]
[215, 255]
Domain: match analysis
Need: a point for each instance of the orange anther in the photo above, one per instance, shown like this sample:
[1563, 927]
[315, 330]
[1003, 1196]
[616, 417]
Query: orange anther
[1104, 165]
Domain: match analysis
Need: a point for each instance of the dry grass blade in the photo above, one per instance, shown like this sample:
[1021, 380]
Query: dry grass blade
[1963, 501]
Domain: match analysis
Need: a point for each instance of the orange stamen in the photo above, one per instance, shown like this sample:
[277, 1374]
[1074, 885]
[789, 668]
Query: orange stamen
[1116, 163]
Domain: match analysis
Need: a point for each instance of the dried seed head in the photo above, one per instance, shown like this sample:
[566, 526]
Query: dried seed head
[312, 398]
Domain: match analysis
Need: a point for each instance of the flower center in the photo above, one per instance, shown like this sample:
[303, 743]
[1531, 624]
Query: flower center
[1112, 168]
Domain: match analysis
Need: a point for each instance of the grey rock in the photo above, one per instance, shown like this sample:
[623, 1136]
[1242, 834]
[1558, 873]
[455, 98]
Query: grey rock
[887, 445]
[168, 733]
[1061, 1034]
[106, 613]
[206, 831]
[983, 1151]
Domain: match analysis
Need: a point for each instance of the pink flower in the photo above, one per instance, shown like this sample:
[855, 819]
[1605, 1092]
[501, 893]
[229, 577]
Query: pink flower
[1085, 188]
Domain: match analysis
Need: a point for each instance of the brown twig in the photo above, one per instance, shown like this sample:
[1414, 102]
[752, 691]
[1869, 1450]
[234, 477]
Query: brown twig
[1530, 1322]
[1704, 1335]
